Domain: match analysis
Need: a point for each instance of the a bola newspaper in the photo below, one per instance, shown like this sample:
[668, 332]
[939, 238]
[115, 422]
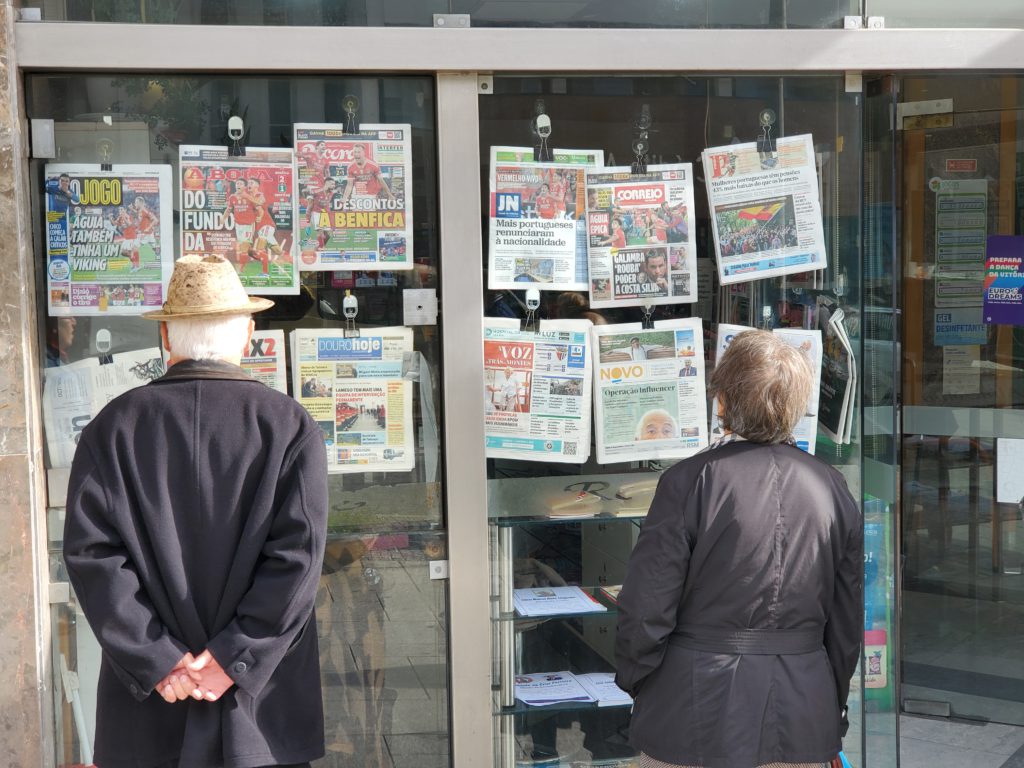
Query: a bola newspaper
[766, 212]
[649, 393]
[265, 360]
[807, 343]
[537, 234]
[641, 236]
[354, 196]
[108, 239]
[74, 394]
[354, 388]
[537, 391]
[241, 208]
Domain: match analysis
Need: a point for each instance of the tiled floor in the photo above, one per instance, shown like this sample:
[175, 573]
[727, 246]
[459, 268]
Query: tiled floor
[940, 743]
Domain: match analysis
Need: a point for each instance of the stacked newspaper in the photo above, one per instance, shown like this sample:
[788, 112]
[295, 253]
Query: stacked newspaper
[552, 601]
[543, 689]
[839, 374]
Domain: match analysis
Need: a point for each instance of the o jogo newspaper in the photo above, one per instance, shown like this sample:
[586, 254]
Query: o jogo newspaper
[241, 208]
[354, 196]
[108, 238]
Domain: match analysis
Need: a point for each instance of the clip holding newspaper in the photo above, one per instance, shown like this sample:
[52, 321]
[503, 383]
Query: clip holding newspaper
[640, 231]
[538, 232]
[241, 208]
[649, 393]
[353, 388]
[808, 343]
[766, 216]
[108, 238]
[537, 390]
[354, 196]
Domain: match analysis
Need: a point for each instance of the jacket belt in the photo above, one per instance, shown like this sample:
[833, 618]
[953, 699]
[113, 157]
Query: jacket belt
[764, 642]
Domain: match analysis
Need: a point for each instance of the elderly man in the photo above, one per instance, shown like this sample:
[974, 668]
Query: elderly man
[196, 521]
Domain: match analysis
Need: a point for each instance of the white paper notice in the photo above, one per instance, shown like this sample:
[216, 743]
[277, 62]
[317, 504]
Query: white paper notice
[419, 306]
[961, 374]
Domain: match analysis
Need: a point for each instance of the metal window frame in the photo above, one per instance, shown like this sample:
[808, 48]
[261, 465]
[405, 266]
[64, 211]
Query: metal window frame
[455, 57]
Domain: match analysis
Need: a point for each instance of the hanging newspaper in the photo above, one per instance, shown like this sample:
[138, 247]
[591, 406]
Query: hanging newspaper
[766, 210]
[639, 230]
[264, 360]
[588, 158]
[241, 208]
[537, 391]
[537, 220]
[838, 374]
[649, 394]
[108, 239]
[807, 343]
[353, 387]
[354, 196]
[74, 394]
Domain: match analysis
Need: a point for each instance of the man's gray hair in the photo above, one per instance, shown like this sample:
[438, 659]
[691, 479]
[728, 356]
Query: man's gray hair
[763, 385]
[208, 338]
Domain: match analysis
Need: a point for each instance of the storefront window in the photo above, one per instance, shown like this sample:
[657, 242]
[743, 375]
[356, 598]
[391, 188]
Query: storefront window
[566, 508]
[923, 14]
[382, 620]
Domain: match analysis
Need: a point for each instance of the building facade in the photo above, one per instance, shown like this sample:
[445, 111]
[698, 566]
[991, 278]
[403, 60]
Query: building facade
[914, 114]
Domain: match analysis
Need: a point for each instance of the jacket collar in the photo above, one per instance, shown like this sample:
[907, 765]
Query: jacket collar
[203, 369]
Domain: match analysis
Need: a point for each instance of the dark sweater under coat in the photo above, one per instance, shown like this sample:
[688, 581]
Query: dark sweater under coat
[196, 518]
[743, 536]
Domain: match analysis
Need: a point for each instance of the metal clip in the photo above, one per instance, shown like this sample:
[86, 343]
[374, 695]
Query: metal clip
[648, 310]
[236, 135]
[350, 308]
[766, 147]
[541, 127]
[532, 305]
[350, 104]
[641, 139]
[105, 147]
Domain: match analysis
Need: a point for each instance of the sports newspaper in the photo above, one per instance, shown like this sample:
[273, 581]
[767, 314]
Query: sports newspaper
[354, 196]
[265, 359]
[108, 239]
[241, 208]
[537, 391]
[766, 211]
[649, 393]
[808, 343]
[641, 231]
[537, 232]
[73, 395]
[353, 387]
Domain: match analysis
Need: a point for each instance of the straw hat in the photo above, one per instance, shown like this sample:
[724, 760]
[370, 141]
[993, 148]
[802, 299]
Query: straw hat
[203, 286]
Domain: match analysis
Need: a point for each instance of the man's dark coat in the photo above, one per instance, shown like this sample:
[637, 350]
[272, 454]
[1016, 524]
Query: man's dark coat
[742, 537]
[196, 518]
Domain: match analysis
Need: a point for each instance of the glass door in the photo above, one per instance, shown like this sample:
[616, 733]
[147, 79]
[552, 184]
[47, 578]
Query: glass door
[963, 592]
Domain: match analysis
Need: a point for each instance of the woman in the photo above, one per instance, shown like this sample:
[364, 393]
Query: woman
[740, 615]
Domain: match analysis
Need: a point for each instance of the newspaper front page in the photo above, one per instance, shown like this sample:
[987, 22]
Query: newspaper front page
[353, 387]
[766, 211]
[241, 208]
[641, 233]
[265, 360]
[537, 391]
[108, 239]
[808, 343]
[74, 394]
[354, 196]
[537, 228]
[649, 393]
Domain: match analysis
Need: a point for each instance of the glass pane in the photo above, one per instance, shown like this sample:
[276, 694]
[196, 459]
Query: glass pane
[533, 545]
[922, 13]
[382, 621]
[963, 388]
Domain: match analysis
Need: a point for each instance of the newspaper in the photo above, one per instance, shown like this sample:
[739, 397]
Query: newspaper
[809, 344]
[537, 391]
[838, 374]
[241, 208]
[554, 601]
[767, 212]
[543, 689]
[353, 388]
[74, 394]
[537, 235]
[265, 360]
[354, 196]
[108, 239]
[601, 686]
[641, 235]
[649, 394]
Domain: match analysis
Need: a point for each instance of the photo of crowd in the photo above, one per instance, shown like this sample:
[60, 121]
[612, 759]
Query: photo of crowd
[768, 225]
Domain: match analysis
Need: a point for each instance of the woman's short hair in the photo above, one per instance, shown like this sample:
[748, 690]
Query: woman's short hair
[208, 338]
[763, 385]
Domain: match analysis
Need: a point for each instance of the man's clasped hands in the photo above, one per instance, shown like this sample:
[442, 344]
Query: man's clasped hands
[199, 677]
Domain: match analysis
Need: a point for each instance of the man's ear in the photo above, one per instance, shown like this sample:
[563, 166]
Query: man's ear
[248, 336]
[164, 338]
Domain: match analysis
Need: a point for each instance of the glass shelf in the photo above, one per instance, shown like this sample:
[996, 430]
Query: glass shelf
[570, 706]
[526, 500]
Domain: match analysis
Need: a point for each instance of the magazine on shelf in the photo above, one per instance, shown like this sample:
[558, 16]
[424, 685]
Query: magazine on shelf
[551, 601]
[601, 685]
[543, 689]
[611, 591]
